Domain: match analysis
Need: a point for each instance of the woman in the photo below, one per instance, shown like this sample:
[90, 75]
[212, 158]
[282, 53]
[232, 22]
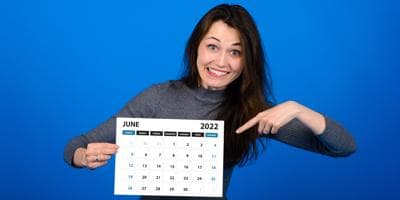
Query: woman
[225, 79]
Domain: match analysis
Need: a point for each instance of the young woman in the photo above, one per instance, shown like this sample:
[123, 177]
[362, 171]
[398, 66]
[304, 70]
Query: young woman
[225, 79]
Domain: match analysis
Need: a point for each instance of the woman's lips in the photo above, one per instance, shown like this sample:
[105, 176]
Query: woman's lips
[216, 73]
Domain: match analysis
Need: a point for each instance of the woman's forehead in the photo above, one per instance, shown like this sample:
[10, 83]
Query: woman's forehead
[222, 32]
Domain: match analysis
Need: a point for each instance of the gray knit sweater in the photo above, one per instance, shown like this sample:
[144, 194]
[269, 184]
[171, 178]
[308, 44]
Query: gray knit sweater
[175, 100]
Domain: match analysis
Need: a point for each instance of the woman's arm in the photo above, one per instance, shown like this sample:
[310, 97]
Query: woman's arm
[297, 125]
[333, 141]
[76, 149]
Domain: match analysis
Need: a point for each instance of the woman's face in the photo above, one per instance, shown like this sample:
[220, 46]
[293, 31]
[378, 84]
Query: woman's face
[219, 59]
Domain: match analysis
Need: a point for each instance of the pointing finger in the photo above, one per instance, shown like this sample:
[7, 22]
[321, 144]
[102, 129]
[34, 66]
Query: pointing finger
[248, 124]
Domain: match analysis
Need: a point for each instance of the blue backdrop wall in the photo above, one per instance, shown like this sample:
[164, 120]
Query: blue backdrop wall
[66, 66]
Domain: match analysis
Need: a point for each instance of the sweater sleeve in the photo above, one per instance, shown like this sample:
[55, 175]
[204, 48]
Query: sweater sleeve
[335, 141]
[143, 105]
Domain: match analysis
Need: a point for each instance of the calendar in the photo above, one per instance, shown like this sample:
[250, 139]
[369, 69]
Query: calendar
[169, 157]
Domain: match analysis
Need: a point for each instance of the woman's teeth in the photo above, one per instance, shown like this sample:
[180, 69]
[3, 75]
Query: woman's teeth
[218, 73]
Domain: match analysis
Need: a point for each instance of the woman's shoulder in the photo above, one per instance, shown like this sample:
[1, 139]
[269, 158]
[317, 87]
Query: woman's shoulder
[147, 102]
[166, 87]
[162, 90]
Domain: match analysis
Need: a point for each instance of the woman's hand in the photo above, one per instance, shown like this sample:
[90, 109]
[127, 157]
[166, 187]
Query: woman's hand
[271, 120]
[95, 155]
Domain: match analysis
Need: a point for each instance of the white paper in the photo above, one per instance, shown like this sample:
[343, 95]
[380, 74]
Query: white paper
[169, 157]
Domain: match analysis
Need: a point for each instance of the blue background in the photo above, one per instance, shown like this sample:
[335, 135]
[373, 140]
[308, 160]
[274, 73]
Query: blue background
[68, 66]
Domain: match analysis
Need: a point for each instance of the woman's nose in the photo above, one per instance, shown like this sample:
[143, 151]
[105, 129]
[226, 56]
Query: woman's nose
[221, 60]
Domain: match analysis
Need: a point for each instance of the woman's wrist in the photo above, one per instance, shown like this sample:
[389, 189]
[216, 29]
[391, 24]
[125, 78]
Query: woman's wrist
[79, 159]
[312, 119]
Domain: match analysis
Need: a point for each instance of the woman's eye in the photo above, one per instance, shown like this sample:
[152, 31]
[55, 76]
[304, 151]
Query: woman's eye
[235, 53]
[212, 47]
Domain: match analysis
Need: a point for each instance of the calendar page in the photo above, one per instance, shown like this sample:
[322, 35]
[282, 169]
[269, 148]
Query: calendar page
[169, 157]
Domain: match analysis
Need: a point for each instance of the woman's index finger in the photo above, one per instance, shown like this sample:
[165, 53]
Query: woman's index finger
[248, 125]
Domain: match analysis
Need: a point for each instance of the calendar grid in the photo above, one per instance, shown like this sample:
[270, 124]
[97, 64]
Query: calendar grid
[169, 157]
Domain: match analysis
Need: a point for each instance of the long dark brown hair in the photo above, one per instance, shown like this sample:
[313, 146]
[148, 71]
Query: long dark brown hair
[246, 96]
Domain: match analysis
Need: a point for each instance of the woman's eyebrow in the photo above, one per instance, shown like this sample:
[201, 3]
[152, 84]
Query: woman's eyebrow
[214, 38]
[234, 44]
